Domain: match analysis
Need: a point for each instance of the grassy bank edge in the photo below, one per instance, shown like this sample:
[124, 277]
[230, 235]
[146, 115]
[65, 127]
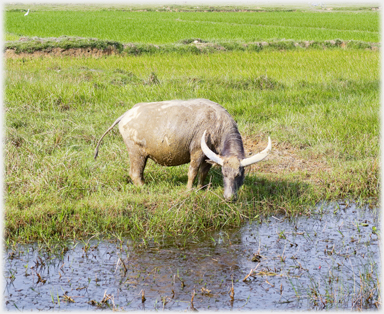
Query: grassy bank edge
[190, 45]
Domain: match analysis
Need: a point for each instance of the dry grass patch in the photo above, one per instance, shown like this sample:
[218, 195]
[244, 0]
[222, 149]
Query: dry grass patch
[285, 159]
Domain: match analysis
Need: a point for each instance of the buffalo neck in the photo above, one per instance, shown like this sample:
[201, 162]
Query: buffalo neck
[233, 144]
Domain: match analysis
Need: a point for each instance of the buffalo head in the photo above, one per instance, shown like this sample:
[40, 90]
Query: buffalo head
[233, 167]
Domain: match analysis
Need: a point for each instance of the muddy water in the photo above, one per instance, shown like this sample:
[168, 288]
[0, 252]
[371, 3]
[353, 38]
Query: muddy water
[328, 260]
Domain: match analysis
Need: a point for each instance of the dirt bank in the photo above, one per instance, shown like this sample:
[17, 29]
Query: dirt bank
[72, 52]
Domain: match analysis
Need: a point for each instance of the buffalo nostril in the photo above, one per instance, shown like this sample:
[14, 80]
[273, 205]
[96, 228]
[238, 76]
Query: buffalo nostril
[231, 198]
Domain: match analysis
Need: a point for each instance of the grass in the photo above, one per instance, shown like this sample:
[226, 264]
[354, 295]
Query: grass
[320, 108]
[169, 27]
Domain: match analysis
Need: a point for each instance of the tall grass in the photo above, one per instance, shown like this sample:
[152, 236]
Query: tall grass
[319, 107]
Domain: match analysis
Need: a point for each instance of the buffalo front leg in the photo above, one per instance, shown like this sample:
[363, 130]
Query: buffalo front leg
[196, 160]
[204, 168]
[192, 173]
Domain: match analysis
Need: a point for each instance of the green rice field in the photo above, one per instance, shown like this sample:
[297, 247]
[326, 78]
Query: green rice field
[169, 27]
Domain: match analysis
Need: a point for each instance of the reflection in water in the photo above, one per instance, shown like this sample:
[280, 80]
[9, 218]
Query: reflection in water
[329, 260]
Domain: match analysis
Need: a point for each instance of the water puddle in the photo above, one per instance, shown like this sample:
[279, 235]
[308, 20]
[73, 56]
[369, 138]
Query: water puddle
[329, 260]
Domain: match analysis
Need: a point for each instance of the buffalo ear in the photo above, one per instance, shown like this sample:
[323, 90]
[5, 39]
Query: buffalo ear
[208, 152]
[214, 164]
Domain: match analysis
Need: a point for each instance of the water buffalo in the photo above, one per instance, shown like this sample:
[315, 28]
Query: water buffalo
[177, 132]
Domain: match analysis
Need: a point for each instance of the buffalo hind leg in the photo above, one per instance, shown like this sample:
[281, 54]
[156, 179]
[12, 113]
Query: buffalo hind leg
[138, 162]
[137, 169]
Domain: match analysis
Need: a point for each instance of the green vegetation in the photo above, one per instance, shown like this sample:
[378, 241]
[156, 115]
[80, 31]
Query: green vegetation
[169, 27]
[320, 108]
[307, 77]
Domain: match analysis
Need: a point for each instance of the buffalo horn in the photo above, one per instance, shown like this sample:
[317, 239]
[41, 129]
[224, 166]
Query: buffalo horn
[258, 157]
[210, 154]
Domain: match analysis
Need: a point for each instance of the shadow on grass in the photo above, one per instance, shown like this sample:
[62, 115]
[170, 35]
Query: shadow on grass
[276, 194]
[276, 188]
